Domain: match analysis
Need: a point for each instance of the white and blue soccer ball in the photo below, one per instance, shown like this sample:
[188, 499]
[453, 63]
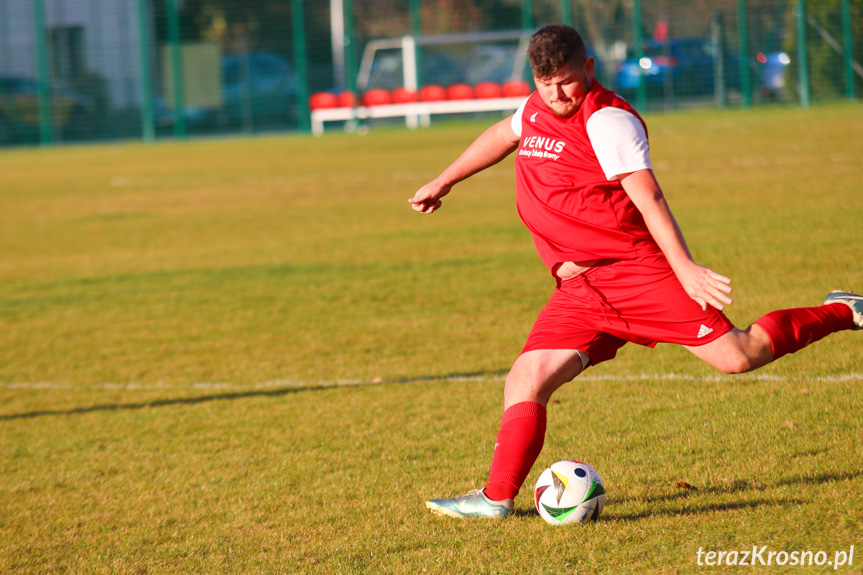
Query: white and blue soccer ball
[569, 492]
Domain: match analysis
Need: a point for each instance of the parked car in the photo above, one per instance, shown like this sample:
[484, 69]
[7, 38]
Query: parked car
[19, 111]
[771, 67]
[688, 64]
[261, 86]
[270, 89]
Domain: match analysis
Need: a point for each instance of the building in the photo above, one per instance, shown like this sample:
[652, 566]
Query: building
[86, 42]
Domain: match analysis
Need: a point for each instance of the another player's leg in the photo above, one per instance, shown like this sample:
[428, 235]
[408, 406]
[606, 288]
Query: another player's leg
[534, 377]
[782, 332]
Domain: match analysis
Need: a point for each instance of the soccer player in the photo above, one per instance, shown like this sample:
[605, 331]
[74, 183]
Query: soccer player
[600, 222]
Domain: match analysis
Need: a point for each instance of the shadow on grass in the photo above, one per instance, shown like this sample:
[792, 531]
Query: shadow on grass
[680, 511]
[820, 478]
[280, 391]
[742, 485]
[703, 508]
[734, 487]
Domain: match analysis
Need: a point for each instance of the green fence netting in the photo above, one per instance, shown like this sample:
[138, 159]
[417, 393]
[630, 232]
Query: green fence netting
[82, 70]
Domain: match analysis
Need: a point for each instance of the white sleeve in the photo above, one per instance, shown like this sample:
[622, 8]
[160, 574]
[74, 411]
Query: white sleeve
[619, 141]
[516, 119]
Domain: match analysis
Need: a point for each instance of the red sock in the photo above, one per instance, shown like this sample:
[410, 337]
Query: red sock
[791, 330]
[519, 441]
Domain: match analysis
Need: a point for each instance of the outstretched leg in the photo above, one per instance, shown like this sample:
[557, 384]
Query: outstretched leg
[782, 332]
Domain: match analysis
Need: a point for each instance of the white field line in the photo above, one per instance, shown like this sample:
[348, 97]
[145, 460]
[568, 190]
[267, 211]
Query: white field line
[293, 384]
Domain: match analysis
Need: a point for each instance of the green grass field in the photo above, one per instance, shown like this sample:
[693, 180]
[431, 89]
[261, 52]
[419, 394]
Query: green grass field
[251, 356]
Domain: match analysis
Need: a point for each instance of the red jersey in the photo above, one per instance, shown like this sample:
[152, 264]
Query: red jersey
[573, 210]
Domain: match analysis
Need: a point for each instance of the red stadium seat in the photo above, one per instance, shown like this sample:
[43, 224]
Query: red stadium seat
[432, 94]
[322, 101]
[488, 90]
[347, 100]
[516, 88]
[377, 97]
[459, 92]
[404, 96]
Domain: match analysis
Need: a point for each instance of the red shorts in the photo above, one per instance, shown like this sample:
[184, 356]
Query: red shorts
[639, 301]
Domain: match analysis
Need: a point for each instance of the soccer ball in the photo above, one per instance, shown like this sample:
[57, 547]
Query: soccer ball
[569, 492]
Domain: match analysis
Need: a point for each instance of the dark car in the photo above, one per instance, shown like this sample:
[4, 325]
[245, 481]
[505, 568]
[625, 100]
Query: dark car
[71, 112]
[688, 65]
[259, 87]
[262, 84]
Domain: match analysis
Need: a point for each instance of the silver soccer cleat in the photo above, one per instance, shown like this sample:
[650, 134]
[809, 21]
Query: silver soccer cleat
[473, 504]
[852, 300]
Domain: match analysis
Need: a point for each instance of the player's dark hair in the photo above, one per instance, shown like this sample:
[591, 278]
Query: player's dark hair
[553, 47]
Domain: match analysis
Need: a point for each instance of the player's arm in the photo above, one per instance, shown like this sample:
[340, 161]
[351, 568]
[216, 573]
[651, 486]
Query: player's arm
[620, 142]
[489, 148]
[702, 284]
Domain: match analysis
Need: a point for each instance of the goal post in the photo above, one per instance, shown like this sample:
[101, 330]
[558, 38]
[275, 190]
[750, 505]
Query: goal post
[462, 48]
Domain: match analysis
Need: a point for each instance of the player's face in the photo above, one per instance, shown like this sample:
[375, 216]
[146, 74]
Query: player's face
[564, 92]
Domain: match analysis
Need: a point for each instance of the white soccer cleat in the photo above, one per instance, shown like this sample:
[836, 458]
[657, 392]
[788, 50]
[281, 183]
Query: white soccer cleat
[474, 504]
[852, 300]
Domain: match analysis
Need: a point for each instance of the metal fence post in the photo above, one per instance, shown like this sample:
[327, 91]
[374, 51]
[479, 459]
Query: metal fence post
[177, 77]
[526, 14]
[96, 42]
[847, 49]
[6, 47]
[638, 39]
[46, 120]
[803, 55]
[743, 34]
[148, 116]
[718, 32]
[667, 74]
[350, 49]
[300, 65]
[566, 12]
[247, 107]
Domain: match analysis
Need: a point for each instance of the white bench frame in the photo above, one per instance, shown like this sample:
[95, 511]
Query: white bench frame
[415, 114]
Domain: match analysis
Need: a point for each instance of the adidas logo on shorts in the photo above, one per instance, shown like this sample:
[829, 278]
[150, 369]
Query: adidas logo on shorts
[703, 331]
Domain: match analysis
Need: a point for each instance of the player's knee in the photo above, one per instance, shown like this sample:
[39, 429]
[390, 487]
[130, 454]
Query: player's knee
[735, 352]
[528, 385]
[535, 376]
[733, 363]
[521, 386]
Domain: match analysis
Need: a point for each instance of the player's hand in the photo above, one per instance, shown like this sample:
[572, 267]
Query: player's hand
[705, 286]
[428, 198]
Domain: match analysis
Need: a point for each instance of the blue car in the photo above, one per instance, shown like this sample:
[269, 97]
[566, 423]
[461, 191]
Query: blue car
[686, 64]
[262, 81]
[771, 67]
[259, 87]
